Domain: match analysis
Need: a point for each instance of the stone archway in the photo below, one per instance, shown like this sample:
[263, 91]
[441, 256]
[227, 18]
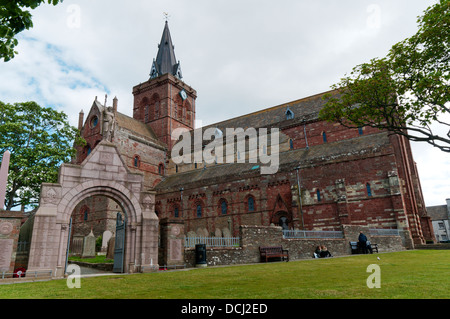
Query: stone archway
[103, 173]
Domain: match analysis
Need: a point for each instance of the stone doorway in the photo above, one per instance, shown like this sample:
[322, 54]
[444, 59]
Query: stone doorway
[102, 173]
[282, 219]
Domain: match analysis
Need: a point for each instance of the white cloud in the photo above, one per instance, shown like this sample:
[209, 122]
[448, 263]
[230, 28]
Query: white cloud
[240, 56]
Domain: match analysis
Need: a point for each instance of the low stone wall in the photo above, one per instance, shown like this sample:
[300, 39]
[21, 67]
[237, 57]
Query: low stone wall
[252, 237]
[98, 266]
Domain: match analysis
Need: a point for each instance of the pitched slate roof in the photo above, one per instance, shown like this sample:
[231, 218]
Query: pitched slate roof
[351, 148]
[438, 212]
[141, 129]
[303, 109]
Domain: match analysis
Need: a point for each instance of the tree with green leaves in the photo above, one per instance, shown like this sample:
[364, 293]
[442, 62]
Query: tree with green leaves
[407, 92]
[14, 18]
[39, 139]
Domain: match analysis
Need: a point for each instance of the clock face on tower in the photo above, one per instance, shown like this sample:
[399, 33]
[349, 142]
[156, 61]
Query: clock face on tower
[183, 95]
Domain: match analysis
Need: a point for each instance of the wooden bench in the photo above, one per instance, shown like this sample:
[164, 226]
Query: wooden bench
[356, 249]
[273, 252]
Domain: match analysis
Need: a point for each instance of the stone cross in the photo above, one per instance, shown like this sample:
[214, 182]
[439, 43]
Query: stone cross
[4, 177]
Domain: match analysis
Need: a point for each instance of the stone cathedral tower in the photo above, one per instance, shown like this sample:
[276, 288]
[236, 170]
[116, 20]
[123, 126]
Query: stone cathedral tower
[165, 102]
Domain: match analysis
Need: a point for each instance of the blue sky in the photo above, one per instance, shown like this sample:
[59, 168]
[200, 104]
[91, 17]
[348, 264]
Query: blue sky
[240, 56]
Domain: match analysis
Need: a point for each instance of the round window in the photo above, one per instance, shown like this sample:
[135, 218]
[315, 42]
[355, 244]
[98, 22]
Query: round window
[94, 121]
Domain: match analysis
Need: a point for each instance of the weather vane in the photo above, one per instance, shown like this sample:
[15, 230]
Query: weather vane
[166, 16]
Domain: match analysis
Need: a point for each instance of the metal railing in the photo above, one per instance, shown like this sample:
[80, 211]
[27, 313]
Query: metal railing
[212, 241]
[27, 275]
[384, 232]
[304, 234]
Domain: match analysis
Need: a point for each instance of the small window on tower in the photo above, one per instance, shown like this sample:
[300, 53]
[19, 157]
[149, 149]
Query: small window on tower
[369, 189]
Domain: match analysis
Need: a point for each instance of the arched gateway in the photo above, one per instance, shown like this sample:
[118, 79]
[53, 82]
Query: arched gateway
[103, 173]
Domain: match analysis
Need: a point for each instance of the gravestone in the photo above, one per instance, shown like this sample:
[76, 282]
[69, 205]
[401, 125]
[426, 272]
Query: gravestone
[191, 234]
[105, 239]
[76, 248]
[110, 249]
[89, 246]
[226, 232]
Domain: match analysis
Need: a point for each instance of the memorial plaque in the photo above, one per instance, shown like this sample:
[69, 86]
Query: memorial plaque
[6, 249]
[175, 249]
[6, 228]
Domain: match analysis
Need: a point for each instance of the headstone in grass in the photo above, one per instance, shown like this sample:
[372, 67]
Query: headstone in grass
[89, 246]
[105, 239]
[110, 249]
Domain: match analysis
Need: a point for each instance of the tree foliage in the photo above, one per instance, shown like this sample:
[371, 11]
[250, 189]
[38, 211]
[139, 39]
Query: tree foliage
[407, 92]
[39, 140]
[14, 18]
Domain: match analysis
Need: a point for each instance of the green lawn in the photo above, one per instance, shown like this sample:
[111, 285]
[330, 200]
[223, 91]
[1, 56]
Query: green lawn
[418, 274]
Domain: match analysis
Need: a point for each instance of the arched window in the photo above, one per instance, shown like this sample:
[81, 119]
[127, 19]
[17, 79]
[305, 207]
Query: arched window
[85, 215]
[251, 204]
[369, 189]
[224, 207]
[145, 104]
[360, 130]
[318, 195]
[291, 143]
[324, 137]
[156, 109]
[136, 161]
[199, 210]
[161, 169]
[176, 212]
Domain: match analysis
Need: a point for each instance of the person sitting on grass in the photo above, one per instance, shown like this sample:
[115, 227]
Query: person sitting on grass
[324, 253]
[317, 252]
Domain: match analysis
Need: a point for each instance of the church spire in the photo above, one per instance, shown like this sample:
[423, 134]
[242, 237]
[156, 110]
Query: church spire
[165, 59]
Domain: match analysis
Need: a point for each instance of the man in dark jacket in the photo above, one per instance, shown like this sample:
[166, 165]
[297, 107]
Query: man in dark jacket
[362, 241]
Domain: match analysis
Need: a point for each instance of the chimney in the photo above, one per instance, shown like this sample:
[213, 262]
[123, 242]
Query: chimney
[80, 120]
[115, 104]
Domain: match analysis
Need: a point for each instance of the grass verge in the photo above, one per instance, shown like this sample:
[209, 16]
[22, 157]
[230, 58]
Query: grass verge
[417, 274]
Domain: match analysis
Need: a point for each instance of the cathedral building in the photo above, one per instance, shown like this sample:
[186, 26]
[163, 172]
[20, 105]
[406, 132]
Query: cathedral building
[324, 175]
